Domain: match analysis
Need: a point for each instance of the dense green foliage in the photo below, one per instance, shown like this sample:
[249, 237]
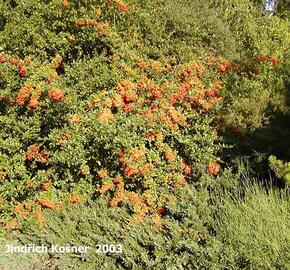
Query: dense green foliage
[251, 232]
[122, 122]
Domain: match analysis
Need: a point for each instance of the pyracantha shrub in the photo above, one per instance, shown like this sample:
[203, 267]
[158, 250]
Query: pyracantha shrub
[93, 102]
[141, 140]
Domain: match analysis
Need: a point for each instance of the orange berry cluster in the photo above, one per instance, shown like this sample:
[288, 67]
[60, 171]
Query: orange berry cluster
[64, 138]
[34, 153]
[22, 70]
[12, 225]
[119, 4]
[34, 93]
[46, 203]
[56, 94]
[45, 186]
[122, 6]
[40, 217]
[24, 210]
[74, 198]
[213, 168]
[267, 58]
[102, 28]
[66, 3]
[87, 22]
[24, 94]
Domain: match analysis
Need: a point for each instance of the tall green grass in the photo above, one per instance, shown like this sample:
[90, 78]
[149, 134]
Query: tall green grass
[254, 227]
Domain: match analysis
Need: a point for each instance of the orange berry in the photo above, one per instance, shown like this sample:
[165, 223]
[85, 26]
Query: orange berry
[46, 203]
[43, 157]
[13, 225]
[169, 155]
[32, 151]
[103, 173]
[213, 168]
[45, 186]
[122, 6]
[56, 94]
[39, 216]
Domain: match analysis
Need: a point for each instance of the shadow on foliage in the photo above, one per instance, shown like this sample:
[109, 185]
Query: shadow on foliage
[254, 147]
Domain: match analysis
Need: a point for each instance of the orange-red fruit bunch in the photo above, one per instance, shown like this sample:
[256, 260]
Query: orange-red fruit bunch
[46, 203]
[87, 22]
[213, 168]
[223, 66]
[122, 6]
[33, 153]
[74, 198]
[39, 217]
[34, 100]
[24, 94]
[27, 92]
[45, 186]
[65, 3]
[56, 94]
[267, 58]
[22, 70]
